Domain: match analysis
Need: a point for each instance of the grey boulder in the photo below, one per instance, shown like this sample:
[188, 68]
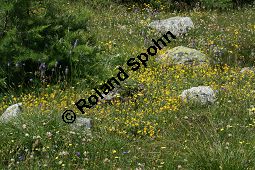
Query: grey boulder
[247, 70]
[183, 55]
[177, 25]
[201, 94]
[81, 122]
[11, 112]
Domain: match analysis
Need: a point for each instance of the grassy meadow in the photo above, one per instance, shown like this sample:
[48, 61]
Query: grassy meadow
[152, 128]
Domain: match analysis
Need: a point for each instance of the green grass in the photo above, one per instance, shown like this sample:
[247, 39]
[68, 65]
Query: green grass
[153, 129]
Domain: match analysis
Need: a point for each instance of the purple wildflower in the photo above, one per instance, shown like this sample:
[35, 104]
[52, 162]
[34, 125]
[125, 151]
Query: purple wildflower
[78, 154]
[21, 158]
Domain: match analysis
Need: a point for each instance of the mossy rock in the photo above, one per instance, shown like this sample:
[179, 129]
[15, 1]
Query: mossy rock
[183, 55]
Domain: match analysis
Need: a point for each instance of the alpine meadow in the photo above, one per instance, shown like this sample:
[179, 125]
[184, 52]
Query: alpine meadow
[145, 84]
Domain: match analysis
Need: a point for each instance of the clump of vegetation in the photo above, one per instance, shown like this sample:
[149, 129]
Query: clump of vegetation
[47, 41]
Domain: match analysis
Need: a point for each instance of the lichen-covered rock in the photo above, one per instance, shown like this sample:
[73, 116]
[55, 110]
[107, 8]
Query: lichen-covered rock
[83, 125]
[111, 95]
[82, 122]
[201, 94]
[11, 112]
[183, 55]
[247, 69]
[177, 25]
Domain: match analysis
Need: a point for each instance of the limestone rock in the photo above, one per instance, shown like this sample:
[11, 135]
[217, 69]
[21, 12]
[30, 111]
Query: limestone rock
[81, 122]
[177, 25]
[247, 69]
[183, 55]
[11, 112]
[200, 94]
[111, 95]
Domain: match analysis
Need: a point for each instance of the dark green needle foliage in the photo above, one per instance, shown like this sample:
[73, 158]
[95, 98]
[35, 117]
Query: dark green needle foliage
[54, 32]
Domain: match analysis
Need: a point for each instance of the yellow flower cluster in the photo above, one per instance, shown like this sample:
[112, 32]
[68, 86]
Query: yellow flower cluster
[138, 115]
